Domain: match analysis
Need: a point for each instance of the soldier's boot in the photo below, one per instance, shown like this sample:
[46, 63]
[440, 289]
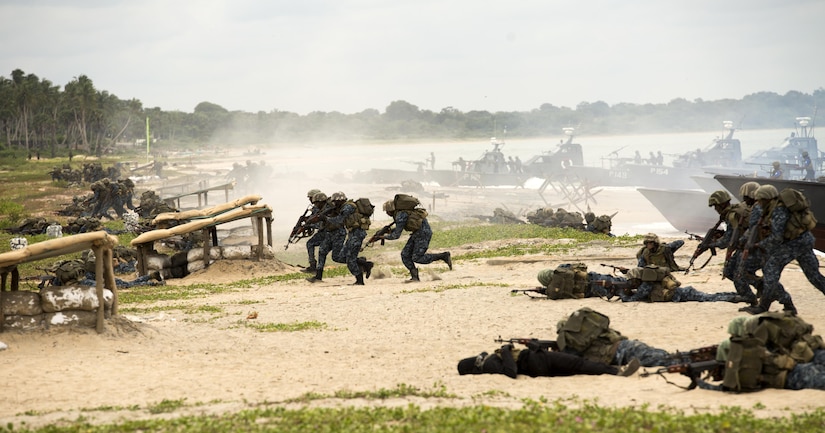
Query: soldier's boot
[310, 269]
[413, 276]
[359, 280]
[788, 307]
[365, 266]
[368, 268]
[763, 307]
[317, 277]
[447, 259]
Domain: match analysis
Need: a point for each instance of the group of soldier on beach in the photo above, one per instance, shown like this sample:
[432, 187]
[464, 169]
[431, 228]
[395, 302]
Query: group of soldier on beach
[765, 231]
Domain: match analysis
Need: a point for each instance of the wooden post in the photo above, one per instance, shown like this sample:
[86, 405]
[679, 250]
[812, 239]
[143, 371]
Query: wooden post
[2, 315]
[109, 275]
[206, 246]
[99, 276]
[260, 221]
[269, 230]
[141, 258]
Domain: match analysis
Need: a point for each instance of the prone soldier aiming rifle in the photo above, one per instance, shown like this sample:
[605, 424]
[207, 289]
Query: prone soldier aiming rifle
[705, 243]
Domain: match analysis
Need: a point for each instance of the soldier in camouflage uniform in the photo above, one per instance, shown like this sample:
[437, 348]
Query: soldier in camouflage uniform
[356, 224]
[335, 235]
[656, 284]
[415, 250]
[654, 253]
[782, 251]
[736, 218]
[318, 200]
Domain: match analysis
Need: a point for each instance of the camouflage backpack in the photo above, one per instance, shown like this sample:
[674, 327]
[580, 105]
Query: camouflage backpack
[664, 283]
[587, 333]
[750, 366]
[602, 224]
[565, 282]
[786, 334]
[415, 219]
[364, 207]
[70, 271]
[405, 202]
[801, 217]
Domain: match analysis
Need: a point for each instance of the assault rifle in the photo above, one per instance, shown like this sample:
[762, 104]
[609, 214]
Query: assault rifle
[734, 240]
[544, 344]
[300, 230]
[753, 233]
[614, 287]
[696, 371]
[621, 269]
[540, 290]
[379, 235]
[705, 243]
[304, 227]
[706, 353]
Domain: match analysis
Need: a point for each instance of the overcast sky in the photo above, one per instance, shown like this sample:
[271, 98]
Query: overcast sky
[351, 55]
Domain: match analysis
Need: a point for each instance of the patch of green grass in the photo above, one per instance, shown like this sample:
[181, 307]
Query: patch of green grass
[439, 390]
[534, 416]
[444, 287]
[166, 406]
[284, 327]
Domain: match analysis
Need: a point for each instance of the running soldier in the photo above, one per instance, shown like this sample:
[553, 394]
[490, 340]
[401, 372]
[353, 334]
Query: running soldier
[408, 215]
[355, 217]
[736, 219]
[318, 201]
[790, 239]
[334, 236]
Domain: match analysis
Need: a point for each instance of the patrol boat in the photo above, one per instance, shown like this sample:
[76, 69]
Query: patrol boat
[722, 155]
[565, 162]
[491, 169]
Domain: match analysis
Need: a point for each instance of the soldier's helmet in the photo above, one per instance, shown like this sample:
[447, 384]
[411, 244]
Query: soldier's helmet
[651, 237]
[389, 206]
[748, 189]
[339, 196]
[589, 217]
[776, 164]
[766, 192]
[718, 197]
[311, 193]
[804, 153]
[319, 197]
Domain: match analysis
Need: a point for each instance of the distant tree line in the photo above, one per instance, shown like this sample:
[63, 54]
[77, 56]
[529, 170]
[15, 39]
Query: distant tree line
[36, 114]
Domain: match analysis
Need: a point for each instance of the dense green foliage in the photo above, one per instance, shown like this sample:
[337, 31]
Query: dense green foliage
[38, 116]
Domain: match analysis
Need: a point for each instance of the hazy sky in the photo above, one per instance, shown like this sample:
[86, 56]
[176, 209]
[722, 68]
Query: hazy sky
[350, 55]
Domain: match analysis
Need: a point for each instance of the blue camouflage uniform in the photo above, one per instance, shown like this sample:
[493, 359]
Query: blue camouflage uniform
[350, 248]
[783, 252]
[143, 280]
[648, 356]
[752, 263]
[809, 375]
[315, 240]
[681, 294]
[335, 235]
[415, 250]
